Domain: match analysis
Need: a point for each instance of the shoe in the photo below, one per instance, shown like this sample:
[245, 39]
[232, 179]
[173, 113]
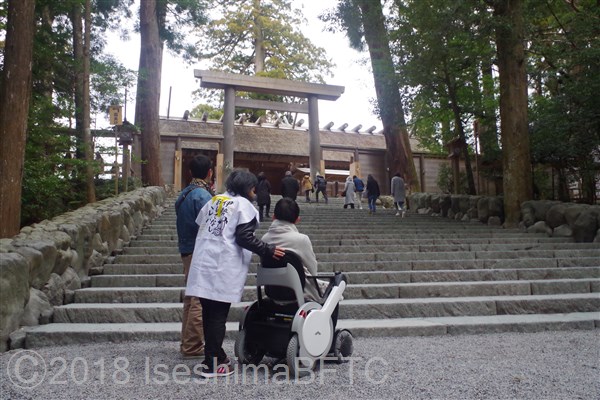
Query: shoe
[403, 214]
[397, 213]
[221, 370]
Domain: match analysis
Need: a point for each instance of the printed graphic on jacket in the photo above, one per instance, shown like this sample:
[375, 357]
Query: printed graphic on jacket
[217, 216]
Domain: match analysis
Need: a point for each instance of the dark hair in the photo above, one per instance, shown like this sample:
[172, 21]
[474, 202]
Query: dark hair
[240, 182]
[354, 177]
[398, 174]
[200, 165]
[287, 209]
[261, 176]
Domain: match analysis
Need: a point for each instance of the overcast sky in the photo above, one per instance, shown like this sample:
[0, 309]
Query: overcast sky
[353, 107]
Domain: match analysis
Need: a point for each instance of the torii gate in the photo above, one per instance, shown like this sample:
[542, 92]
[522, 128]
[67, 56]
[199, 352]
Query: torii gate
[231, 83]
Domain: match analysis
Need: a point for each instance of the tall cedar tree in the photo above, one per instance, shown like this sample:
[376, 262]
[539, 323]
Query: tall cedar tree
[513, 107]
[148, 91]
[388, 93]
[15, 92]
[81, 51]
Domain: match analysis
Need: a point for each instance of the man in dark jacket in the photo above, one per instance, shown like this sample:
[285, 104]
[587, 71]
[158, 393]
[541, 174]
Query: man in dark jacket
[289, 186]
[188, 205]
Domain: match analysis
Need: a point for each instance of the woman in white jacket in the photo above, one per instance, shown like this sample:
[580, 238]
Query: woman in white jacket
[349, 190]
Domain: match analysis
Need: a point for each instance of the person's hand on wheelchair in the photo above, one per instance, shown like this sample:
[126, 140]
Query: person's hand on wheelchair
[278, 253]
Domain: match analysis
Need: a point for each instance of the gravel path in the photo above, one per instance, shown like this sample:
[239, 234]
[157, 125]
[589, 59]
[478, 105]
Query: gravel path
[548, 365]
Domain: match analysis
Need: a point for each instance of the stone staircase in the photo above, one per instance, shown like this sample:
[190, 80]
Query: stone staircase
[419, 275]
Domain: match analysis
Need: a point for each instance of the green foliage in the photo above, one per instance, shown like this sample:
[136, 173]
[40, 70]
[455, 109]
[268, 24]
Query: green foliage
[200, 109]
[346, 17]
[440, 47]
[445, 180]
[565, 109]
[48, 187]
[177, 19]
[228, 41]
[109, 78]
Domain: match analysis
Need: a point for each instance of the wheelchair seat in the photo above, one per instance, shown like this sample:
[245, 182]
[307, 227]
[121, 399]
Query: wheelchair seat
[283, 280]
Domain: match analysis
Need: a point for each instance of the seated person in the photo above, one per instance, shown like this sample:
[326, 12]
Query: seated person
[283, 233]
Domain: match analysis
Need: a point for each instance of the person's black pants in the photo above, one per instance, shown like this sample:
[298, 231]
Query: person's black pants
[261, 208]
[214, 316]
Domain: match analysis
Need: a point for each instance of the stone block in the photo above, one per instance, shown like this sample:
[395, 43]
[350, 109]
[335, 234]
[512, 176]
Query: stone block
[55, 290]
[63, 261]
[39, 269]
[17, 339]
[572, 212]
[445, 204]
[559, 287]
[71, 280]
[562, 231]
[435, 203]
[496, 207]
[540, 227]
[555, 216]
[528, 213]
[586, 225]
[14, 294]
[36, 306]
[483, 212]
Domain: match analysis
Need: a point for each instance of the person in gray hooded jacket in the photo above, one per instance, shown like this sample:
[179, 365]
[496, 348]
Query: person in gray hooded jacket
[284, 233]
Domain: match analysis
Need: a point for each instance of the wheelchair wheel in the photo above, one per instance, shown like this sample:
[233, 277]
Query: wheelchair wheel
[343, 345]
[245, 352]
[298, 367]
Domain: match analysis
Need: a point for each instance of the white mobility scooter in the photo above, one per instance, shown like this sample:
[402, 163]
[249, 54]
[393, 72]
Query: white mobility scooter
[283, 325]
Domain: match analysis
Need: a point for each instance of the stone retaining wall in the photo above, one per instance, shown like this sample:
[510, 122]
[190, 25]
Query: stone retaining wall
[43, 265]
[555, 218]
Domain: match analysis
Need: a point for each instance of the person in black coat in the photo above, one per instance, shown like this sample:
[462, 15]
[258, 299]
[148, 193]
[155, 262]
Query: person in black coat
[263, 195]
[289, 186]
[373, 193]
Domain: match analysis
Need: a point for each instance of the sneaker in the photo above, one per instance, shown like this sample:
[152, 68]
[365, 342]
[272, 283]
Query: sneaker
[397, 213]
[221, 370]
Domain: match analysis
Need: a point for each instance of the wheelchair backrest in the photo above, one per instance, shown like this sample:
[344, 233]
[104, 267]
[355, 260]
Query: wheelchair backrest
[283, 279]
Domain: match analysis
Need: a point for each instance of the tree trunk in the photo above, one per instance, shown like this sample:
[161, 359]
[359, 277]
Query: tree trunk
[81, 50]
[513, 108]
[388, 93]
[488, 133]
[460, 132]
[148, 94]
[15, 93]
[259, 45]
[90, 188]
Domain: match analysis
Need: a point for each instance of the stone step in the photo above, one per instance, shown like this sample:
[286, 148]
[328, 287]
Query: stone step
[396, 235]
[60, 334]
[386, 225]
[389, 256]
[422, 248]
[390, 231]
[139, 294]
[350, 308]
[176, 280]
[372, 266]
[353, 243]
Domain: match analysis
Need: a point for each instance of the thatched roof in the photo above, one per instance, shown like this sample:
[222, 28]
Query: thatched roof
[268, 139]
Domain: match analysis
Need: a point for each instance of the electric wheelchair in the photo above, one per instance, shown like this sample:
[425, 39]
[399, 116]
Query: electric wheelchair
[282, 325]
